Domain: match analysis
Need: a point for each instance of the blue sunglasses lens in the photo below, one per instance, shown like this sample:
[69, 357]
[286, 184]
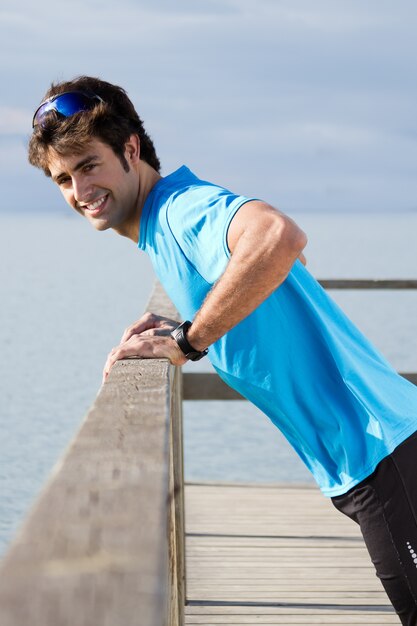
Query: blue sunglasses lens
[66, 104]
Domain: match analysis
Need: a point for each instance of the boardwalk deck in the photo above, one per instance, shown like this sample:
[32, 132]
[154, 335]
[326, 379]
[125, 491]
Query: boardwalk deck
[276, 555]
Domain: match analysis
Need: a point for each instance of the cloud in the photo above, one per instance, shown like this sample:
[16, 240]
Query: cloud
[241, 88]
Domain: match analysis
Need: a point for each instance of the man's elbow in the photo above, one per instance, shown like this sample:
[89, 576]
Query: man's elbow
[294, 237]
[301, 241]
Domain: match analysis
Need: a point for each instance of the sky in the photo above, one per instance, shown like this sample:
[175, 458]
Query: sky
[307, 105]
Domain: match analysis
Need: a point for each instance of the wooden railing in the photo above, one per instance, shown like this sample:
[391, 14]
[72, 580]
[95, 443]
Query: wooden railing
[104, 542]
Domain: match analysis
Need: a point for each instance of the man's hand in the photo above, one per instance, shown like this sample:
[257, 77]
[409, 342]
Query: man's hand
[148, 338]
[149, 323]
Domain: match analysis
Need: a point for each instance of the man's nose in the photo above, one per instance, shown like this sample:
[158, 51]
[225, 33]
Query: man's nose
[82, 189]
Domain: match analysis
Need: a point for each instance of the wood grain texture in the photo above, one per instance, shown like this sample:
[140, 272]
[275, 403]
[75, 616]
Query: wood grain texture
[177, 513]
[276, 554]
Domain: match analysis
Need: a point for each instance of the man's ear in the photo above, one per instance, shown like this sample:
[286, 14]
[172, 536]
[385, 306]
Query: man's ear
[132, 149]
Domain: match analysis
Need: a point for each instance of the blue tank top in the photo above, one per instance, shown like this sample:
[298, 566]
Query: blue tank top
[297, 357]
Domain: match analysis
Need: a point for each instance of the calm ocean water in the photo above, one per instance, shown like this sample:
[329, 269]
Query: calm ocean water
[67, 293]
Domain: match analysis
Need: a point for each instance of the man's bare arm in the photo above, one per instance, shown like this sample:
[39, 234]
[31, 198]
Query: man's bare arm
[264, 245]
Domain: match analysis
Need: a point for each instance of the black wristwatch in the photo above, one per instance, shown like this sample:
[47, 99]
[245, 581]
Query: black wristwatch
[179, 334]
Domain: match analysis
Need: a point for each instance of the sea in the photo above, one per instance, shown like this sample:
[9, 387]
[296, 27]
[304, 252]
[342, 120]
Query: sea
[66, 295]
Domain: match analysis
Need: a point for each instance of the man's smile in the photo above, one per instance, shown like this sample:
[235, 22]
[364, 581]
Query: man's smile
[96, 207]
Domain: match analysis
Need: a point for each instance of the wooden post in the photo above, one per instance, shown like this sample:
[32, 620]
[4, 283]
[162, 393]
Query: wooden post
[178, 438]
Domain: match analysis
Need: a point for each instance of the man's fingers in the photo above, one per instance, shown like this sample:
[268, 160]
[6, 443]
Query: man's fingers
[111, 360]
[135, 347]
[134, 341]
[147, 322]
[156, 332]
[117, 353]
[151, 346]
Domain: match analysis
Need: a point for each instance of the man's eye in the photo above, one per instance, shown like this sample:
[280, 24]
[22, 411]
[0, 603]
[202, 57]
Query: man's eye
[89, 167]
[63, 181]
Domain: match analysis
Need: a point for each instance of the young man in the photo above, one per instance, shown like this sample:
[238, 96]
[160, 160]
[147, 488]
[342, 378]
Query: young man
[235, 267]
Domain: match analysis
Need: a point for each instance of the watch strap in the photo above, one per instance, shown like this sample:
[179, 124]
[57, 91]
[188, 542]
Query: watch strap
[179, 334]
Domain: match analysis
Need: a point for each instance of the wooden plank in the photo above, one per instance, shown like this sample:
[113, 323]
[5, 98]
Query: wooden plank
[368, 283]
[411, 376]
[160, 304]
[240, 620]
[177, 517]
[209, 386]
[284, 609]
[276, 555]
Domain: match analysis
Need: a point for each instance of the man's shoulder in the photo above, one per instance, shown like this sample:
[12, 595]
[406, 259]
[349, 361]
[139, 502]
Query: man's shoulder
[184, 179]
[183, 193]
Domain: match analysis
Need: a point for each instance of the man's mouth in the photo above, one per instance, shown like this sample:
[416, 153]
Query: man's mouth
[94, 208]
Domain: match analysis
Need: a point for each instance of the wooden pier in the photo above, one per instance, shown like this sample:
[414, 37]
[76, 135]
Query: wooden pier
[117, 539]
[276, 554]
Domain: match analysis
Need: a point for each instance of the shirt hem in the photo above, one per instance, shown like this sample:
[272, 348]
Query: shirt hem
[340, 491]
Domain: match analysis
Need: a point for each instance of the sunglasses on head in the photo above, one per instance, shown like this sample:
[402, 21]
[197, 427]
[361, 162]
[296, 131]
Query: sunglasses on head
[66, 104]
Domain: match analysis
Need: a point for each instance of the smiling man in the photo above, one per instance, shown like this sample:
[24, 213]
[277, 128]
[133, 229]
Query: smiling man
[103, 189]
[234, 268]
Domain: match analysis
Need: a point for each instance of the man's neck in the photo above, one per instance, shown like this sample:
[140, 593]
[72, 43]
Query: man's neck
[147, 178]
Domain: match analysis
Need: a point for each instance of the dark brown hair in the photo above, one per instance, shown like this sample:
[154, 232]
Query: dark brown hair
[112, 121]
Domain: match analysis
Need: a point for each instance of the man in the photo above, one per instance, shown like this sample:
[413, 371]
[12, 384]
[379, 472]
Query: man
[234, 266]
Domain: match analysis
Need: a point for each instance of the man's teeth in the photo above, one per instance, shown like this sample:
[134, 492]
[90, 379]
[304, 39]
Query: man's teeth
[96, 204]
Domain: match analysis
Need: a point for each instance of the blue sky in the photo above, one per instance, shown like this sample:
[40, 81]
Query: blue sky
[308, 105]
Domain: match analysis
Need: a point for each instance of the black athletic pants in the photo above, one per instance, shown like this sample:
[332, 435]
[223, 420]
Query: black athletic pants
[385, 507]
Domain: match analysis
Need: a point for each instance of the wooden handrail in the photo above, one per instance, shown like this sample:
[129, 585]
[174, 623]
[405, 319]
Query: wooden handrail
[209, 386]
[368, 283]
[104, 543]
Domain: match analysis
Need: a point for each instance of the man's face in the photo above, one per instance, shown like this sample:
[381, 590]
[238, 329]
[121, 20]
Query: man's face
[95, 184]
